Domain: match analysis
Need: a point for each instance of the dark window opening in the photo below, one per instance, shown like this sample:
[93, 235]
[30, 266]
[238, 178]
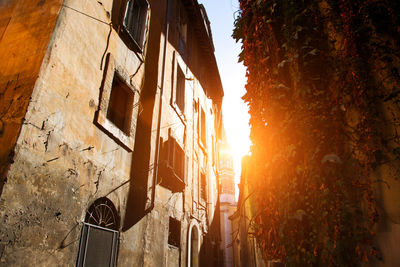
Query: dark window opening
[99, 238]
[120, 105]
[180, 89]
[174, 233]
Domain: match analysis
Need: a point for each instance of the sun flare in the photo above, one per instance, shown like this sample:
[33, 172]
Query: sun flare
[237, 131]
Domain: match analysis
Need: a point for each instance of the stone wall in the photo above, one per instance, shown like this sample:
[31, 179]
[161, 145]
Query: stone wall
[63, 161]
[68, 154]
[25, 30]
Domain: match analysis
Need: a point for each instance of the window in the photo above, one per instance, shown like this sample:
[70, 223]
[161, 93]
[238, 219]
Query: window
[135, 20]
[174, 232]
[178, 86]
[130, 18]
[118, 106]
[203, 191]
[176, 158]
[173, 165]
[195, 184]
[180, 89]
[202, 127]
[194, 246]
[99, 239]
[182, 28]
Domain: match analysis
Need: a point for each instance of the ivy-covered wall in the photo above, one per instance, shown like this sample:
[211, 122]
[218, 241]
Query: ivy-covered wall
[323, 91]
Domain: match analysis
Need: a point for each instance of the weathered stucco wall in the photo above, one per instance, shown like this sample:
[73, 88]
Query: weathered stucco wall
[25, 30]
[63, 161]
[183, 206]
[65, 158]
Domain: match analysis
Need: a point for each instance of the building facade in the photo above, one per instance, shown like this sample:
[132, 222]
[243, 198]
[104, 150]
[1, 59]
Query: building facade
[227, 201]
[246, 252]
[109, 124]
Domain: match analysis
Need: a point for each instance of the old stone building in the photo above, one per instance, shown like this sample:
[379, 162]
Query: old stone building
[246, 251]
[110, 116]
[227, 201]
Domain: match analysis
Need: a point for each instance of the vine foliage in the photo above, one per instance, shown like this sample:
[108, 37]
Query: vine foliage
[323, 93]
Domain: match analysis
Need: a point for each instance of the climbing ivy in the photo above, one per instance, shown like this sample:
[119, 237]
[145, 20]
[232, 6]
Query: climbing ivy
[323, 91]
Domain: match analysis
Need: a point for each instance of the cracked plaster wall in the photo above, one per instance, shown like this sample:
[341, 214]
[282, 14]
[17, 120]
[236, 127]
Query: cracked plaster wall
[21, 23]
[63, 161]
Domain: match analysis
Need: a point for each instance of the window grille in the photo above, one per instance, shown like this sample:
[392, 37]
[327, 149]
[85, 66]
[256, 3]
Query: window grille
[99, 239]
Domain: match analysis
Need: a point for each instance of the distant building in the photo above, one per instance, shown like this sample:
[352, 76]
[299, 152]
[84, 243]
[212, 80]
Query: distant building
[110, 112]
[246, 251]
[227, 201]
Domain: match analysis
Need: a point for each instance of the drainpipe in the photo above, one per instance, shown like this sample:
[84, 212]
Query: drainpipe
[157, 154]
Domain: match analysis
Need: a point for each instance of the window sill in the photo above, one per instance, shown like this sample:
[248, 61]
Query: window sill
[130, 42]
[173, 247]
[119, 136]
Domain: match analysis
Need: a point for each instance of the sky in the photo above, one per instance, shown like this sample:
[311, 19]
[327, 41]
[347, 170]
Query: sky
[235, 112]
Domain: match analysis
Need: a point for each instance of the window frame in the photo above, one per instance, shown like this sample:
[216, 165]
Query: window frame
[176, 158]
[173, 240]
[119, 15]
[178, 64]
[83, 244]
[202, 128]
[180, 89]
[110, 215]
[203, 191]
[127, 117]
[173, 166]
[126, 138]
[182, 28]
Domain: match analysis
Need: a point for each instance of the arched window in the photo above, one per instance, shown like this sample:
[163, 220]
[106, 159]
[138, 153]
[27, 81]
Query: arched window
[194, 245]
[99, 239]
[194, 248]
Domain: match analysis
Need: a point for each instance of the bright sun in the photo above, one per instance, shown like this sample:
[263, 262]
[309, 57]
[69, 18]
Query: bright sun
[236, 119]
[233, 76]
